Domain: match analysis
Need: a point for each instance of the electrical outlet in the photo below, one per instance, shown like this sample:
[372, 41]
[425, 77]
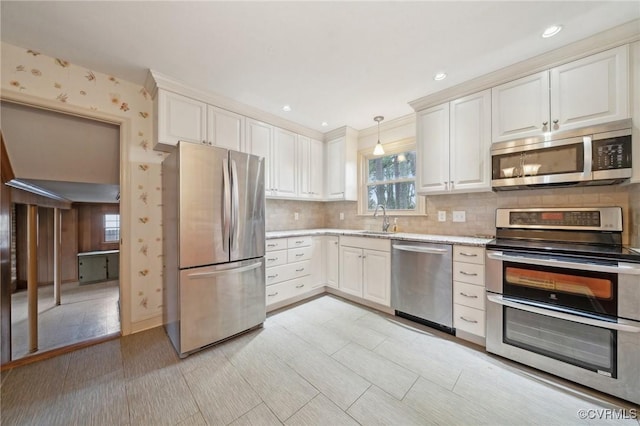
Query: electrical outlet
[459, 216]
[296, 216]
[341, 216]
[442, 216]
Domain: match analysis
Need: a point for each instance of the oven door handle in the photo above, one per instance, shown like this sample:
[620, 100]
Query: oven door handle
[620, 325]
[622, 268]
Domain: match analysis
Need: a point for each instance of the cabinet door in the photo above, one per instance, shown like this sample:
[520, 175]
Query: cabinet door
[377, 277]
[92, 268]
[335, 168]
[316, 169]
[590, 91]
[304, 163]
[225, 128]
[284, 163]
[180, 119]
[258, 141]
[332, 261]
[351, 270]
[318, 275]
[433, 149]
[469, 143]
[520, 108]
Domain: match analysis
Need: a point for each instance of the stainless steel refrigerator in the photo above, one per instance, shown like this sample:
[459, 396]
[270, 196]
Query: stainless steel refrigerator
[213, 226]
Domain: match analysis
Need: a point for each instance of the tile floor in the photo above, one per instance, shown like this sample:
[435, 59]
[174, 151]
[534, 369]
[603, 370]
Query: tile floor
[324, 362]
[86, 311]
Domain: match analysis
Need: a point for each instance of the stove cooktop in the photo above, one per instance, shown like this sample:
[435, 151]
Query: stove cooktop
[613, 252]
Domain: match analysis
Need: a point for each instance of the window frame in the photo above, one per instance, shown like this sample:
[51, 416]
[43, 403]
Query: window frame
[105, 228]
[403, 145]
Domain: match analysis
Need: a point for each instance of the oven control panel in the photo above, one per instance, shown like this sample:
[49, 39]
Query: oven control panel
[596, 218]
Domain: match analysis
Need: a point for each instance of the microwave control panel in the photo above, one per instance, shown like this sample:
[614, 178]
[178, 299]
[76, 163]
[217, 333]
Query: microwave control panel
[612, 153]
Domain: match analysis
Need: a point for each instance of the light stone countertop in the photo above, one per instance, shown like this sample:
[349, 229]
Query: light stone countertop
[427, 238]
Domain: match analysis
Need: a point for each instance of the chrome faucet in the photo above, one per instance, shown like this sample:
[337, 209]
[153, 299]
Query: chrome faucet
[385, 218]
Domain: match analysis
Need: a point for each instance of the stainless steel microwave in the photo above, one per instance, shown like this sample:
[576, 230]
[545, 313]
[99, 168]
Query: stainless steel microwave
[590, 156]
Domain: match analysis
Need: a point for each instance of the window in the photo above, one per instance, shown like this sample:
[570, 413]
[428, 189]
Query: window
[390, 180]
[111, 228]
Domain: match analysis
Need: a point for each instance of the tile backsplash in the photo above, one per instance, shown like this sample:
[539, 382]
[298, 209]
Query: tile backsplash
[479, 209]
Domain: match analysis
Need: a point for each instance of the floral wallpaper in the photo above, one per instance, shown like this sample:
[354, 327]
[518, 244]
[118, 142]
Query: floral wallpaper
[31, 72]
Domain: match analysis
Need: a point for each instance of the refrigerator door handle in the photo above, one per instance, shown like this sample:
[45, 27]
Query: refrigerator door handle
[197, 275]
[226, 206]
[235, 223]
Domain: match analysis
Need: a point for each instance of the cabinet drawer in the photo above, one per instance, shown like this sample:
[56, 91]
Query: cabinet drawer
[469, 254]
[298, 254]
[288, 272]
[468, 273]
[380, 244]
[468, 319]
[275, 258]
[276, 244]
[287, 289]
[295, 242]
[468, 295]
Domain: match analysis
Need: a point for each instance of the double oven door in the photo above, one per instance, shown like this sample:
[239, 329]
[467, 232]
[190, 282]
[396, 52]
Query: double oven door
[577, 318]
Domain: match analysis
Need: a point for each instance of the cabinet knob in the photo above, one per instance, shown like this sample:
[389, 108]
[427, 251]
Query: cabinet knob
[544, 123]
[204, 142]
[555, 121]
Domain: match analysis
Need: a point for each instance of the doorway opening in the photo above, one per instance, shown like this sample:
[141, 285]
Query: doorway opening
[67, 172]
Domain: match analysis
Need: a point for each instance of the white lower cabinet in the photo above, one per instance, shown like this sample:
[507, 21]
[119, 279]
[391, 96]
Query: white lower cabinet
[293, 268]
[469, 292]
[332, 261]
[365, 268]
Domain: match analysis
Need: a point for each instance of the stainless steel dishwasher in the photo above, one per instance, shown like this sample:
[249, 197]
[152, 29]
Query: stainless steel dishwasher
[421, 283]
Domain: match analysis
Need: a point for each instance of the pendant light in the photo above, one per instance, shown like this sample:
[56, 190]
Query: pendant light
[379, 150]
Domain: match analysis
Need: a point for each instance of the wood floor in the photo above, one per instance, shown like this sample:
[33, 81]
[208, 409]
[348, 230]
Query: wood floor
[324, 362]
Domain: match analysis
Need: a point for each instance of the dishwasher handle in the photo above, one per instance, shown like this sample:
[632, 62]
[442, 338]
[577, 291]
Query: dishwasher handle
[420, 249]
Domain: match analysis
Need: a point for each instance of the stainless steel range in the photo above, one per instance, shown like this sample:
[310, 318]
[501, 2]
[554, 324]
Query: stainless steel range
[564, 296]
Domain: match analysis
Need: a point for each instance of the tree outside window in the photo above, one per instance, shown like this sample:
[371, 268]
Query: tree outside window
[391, 181]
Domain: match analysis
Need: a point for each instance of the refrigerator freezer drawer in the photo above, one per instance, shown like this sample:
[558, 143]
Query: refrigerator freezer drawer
[217, 302]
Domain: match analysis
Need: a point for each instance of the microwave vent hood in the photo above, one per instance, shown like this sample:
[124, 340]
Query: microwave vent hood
[589, 156]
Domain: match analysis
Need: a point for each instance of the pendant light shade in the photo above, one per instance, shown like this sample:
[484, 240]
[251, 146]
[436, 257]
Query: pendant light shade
[378, 150]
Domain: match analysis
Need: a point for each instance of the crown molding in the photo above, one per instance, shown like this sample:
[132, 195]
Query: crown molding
[405, 120]
[156, 80]
[609, 39]
[345, 131]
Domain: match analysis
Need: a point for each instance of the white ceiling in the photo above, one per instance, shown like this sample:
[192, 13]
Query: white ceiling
[339, 62]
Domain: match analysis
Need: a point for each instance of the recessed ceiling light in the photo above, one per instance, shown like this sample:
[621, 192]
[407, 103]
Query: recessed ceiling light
[325, 124]
[286, 108]
[551, 31]
[440, 76]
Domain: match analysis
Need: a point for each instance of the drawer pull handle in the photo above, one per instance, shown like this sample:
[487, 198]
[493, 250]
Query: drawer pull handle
[472, 296]
[299, 241]
[469, 274]
[273, 294]
[462, 253]
[272, 259]
[300, 286]
[300, 270]
[299, 254]
[272, 245]
[471, 321]
[273, 276]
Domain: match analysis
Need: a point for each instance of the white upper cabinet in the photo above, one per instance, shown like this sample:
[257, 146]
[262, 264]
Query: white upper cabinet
[310, 168]
[581, 93]
[225, 128]
[433, 149]
[341, 178]
[179, 119]
[453, 146]
[470, 143]
[284, 163]
[258, 141]
[520, 108]
[592, 90]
